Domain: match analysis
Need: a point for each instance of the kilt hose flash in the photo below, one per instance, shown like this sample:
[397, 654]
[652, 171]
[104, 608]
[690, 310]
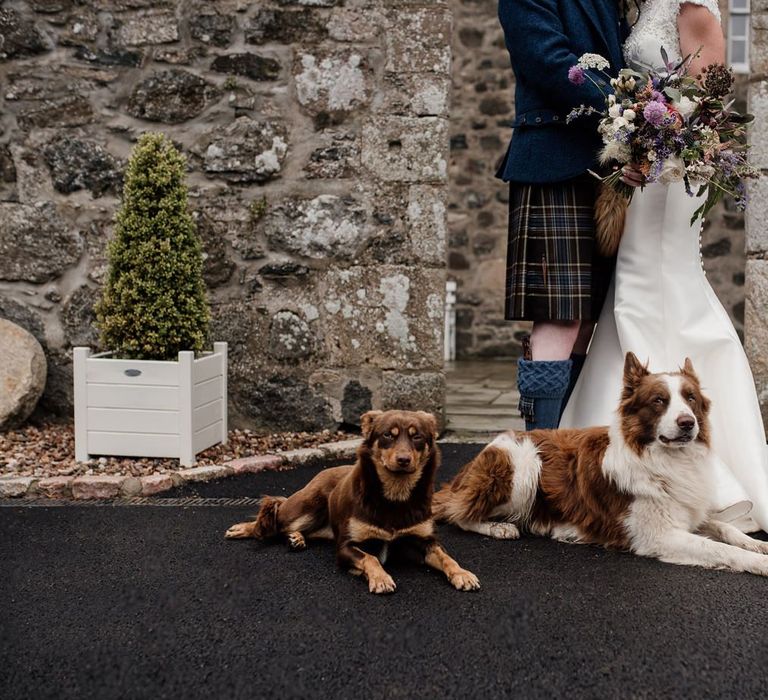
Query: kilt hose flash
[554, 272]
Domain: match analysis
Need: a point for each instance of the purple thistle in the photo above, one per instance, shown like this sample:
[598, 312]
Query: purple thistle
[659, 97]
[654, 113]
[576, 75]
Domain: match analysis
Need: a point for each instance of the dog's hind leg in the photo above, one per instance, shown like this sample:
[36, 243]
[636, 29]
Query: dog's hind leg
[296, 541]
[725, 532]
[266, 524]
[499, 531]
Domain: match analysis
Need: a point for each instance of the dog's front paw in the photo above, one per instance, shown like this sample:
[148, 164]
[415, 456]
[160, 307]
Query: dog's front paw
[504, 531]
[239, 531]
[383, 583]
[464, 580]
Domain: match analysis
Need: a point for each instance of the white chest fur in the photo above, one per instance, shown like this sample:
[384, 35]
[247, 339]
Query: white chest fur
[672, 488]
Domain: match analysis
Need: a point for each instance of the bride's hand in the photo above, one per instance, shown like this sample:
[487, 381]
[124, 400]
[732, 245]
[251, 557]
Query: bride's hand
[631, 175]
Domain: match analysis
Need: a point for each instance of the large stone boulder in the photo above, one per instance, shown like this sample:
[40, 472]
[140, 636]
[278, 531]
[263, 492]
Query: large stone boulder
[22, 374]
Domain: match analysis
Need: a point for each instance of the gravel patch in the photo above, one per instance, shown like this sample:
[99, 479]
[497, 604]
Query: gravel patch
[49, 451]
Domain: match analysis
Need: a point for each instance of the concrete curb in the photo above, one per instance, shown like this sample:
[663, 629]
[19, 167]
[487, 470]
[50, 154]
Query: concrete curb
[108, 486]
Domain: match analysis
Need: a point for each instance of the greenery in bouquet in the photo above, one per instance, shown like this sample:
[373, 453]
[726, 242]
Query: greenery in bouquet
[672, 127]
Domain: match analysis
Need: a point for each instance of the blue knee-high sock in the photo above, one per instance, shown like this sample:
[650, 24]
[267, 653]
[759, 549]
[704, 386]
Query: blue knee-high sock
[543, 385]
[577, 364]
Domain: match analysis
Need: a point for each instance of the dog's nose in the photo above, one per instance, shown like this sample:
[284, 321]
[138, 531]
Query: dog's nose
[686, 422]
[404, 461]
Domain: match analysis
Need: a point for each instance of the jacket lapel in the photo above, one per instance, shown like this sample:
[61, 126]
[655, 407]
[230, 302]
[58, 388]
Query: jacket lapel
[600, 21]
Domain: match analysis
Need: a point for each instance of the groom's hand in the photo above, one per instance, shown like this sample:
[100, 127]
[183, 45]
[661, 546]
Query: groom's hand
[632, 176]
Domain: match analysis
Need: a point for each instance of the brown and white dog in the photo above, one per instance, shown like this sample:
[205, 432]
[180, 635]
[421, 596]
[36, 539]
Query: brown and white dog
[383, 499]
[643, 484]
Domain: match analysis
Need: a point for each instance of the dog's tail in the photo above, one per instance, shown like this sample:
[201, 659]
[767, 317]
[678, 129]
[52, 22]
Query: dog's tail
[267, 522]
[440, 503]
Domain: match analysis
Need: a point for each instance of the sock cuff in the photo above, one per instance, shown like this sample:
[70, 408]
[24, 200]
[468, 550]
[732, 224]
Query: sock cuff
[543, 379]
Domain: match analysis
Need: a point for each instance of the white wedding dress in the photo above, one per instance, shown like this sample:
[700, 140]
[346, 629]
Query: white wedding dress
[661, 307]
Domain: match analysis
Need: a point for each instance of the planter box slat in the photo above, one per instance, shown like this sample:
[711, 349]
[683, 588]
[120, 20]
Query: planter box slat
[122, 420]
[206, 368]
[207, 391]
[145, 408]
[133, 444]
[206, 414]
[107, 371]
[205, 437]
[121, 396]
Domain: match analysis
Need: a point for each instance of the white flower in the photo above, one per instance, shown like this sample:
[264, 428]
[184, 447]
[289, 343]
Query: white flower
[620, 123]
[686, 106]
[629, 115]
[651, 156]
[673, 170]
[614, 111]
[700, 171]
[593, 60]
[615, 151]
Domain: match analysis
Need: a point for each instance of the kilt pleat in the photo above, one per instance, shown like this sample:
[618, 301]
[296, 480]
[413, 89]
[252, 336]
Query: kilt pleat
[554, 271]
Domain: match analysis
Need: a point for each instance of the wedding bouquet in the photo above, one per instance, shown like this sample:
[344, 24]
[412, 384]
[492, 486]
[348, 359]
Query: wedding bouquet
[672, 127]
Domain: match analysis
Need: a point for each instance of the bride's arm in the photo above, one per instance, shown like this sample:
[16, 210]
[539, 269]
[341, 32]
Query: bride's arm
[700, 29]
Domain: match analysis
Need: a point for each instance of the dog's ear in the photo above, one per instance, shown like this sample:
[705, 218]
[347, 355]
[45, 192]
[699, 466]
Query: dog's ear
[634, 371]
[429, 422]
[367, 420]
[688, 370]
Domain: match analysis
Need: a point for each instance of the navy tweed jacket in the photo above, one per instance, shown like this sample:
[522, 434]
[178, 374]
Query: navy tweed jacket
[544, 39]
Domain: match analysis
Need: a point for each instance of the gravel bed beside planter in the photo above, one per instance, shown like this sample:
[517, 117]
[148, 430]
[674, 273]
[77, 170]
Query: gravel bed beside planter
[39, 462]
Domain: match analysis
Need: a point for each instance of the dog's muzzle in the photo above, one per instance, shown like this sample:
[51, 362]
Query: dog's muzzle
[687, 430]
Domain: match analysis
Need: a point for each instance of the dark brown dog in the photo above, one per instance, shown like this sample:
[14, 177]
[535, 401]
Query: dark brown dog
[385, 497]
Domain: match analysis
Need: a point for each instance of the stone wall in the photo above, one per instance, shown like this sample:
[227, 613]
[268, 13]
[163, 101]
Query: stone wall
[481, 114]
[317, 135]
[756, 321]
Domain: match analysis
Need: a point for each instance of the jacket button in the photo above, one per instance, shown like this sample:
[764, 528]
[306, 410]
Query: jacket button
[538, 119]
[555, 118]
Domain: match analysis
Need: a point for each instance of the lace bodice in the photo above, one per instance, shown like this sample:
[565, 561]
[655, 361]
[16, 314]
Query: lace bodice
[657, 27]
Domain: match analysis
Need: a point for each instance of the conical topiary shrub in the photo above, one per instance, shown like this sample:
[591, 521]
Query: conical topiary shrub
[154, 301]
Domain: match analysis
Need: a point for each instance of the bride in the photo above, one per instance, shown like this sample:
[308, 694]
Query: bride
[660, 305]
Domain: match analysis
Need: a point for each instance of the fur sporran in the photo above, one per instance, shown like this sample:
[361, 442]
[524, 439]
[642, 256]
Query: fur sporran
[610, 214]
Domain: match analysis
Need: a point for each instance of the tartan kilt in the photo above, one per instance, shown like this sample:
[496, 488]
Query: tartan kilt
[554, 272]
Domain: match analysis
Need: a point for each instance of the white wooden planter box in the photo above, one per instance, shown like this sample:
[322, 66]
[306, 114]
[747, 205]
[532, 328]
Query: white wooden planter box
[144, 408]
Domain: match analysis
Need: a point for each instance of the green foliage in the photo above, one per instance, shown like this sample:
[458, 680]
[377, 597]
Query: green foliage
[154, 301]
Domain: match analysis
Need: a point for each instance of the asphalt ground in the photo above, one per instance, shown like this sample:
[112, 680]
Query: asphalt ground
[153, 602]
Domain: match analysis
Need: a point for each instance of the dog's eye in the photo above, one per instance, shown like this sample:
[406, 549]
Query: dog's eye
[660, 400]
[388, 436]
[691, 398]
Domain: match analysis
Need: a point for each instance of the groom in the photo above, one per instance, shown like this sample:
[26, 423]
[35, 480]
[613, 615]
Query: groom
[555, 277]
